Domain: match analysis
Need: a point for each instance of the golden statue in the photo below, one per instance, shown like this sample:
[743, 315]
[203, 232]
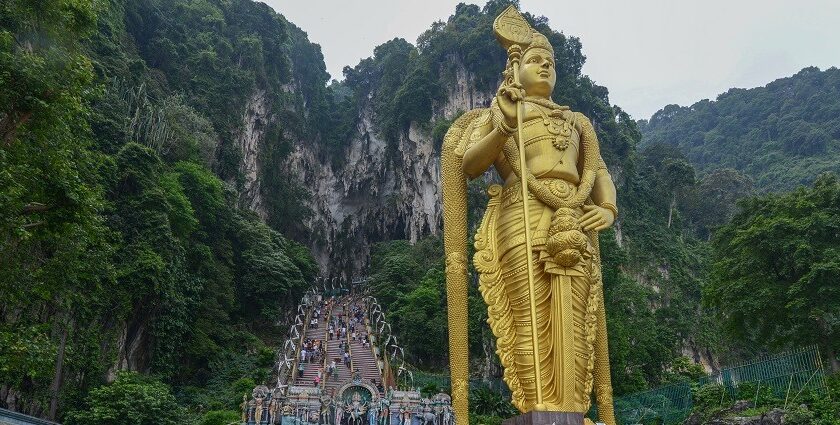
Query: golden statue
[543, 279]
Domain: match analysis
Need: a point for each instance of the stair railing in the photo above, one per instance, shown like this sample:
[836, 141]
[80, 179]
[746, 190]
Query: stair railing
[326, 348]
[300, 343]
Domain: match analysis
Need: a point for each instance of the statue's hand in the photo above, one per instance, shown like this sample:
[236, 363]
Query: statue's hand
[506, 97]
[596, 218]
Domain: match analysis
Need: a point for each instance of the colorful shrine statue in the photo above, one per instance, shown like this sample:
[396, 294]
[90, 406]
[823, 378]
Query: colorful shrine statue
[287, 409]
[536, 250]
[373, 413]
[356, 409]
[385, 410]
[326, 409]
[272, 410]
[258, 410]
[405, 411]
[244, 407]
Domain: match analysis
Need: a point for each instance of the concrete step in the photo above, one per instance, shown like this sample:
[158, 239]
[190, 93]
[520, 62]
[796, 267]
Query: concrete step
[363, 358]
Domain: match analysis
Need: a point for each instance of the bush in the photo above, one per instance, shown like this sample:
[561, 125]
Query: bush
[219, 417]
[485, 420]
[821, 409]
[710, 399]
[132, 399]
[486, 402]
[759, 395]
[800, 415]
[430, 389]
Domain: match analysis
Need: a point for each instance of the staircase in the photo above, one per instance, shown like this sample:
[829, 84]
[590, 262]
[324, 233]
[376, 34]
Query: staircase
[334, 352]
[311, 368]
[363, 359]
[365, 362]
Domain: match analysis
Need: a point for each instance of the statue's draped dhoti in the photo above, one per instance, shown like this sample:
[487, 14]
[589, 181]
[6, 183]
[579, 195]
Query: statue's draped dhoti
[563, 297]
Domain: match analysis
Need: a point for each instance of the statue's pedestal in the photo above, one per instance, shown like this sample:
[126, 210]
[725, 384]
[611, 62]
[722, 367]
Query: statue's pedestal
[546, 418]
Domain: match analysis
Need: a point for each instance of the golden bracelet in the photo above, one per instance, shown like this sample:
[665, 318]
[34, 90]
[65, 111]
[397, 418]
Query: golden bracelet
[610, 207]
[505, 129]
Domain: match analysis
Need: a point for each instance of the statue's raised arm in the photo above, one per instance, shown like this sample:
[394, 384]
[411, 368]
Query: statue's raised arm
[537, 250]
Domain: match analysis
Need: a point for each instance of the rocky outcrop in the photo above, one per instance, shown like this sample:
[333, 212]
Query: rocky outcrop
[132, 349]
[462, 95]
[249, 140]
[373, 196]
[701, 355]
[377, 193]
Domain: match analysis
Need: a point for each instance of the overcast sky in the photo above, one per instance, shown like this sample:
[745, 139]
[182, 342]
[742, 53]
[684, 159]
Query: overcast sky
[648, 53]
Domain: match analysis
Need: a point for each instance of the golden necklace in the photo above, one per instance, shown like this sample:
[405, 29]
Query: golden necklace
[554, 123]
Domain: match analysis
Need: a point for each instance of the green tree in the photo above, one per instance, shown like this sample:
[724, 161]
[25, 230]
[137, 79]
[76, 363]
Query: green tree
[713, 202]
[775, 270]
[220, 417]
[678, 175]
[781, 135]
[54, 245]
[131, 399]
[422, 321]
[408, 280]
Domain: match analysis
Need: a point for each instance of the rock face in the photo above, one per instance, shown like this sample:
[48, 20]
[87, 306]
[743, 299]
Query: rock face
[374, 195]
[252, 135]
[701, 355]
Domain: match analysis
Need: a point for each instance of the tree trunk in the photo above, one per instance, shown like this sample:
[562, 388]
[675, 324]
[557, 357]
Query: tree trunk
[56, 383]
[671, 210]
[833, 361]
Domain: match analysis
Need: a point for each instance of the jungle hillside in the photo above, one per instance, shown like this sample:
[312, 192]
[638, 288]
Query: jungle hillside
[167, 168]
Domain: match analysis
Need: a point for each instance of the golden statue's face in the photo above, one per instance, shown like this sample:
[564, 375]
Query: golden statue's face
[536, 72]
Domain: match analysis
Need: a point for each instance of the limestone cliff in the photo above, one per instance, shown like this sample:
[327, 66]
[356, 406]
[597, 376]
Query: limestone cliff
[371, 196]
[249, 140]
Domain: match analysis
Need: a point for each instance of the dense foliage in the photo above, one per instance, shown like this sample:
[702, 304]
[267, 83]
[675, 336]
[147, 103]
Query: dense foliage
[119, 246]
[780, 253]
[782, 135]
[403, 83]
[130, 399]
[409, 281]
[712, 403]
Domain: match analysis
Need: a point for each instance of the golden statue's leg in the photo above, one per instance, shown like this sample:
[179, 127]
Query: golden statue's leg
[515, 278]
[561, 302]
[580, 286]
[516, 286]
[561, 307]
[563, 316]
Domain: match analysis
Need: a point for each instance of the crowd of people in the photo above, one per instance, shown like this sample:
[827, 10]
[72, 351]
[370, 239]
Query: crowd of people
[343, 326]
[352, 323]
[312, 351]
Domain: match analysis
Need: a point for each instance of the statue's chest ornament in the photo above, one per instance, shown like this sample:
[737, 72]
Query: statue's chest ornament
[559, 128]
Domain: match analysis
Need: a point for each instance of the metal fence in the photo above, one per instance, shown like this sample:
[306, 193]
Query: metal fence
[442, 382]
[670, 404]
[787, 376]
[8, 417]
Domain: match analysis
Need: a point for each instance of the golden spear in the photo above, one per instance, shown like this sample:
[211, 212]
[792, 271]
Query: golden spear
[513, 31]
